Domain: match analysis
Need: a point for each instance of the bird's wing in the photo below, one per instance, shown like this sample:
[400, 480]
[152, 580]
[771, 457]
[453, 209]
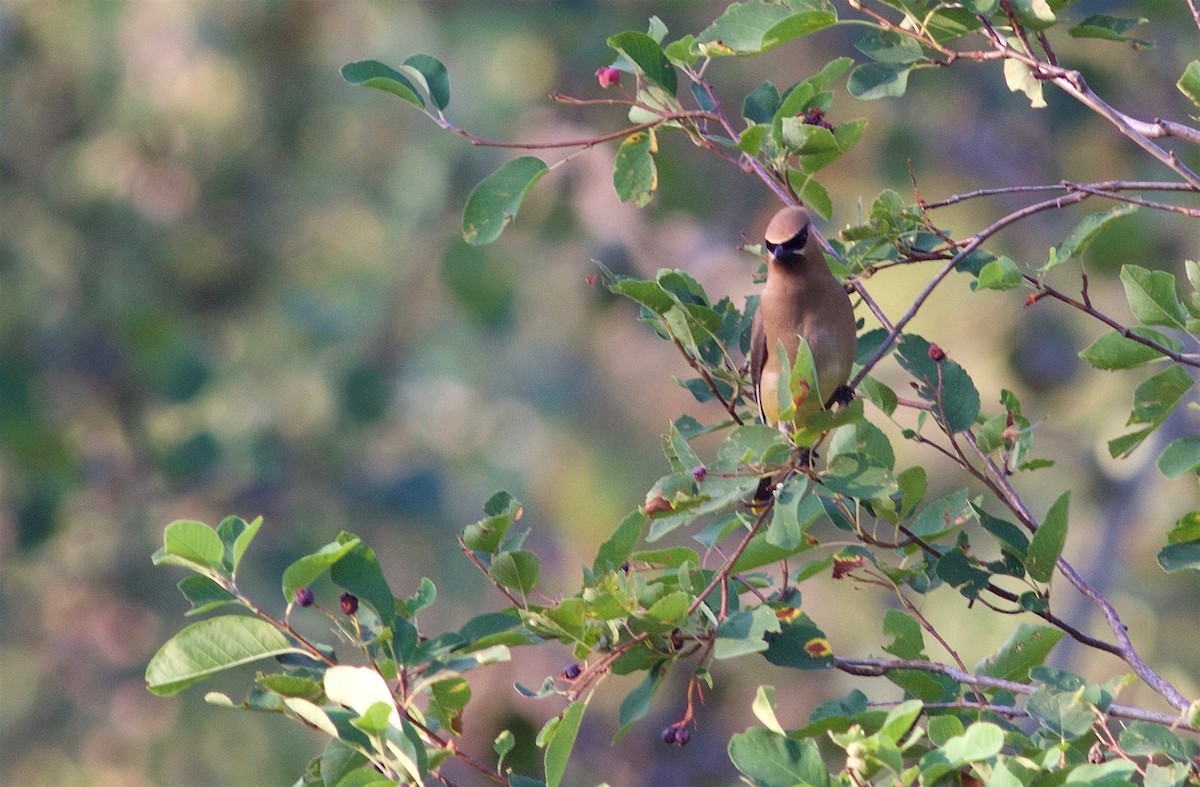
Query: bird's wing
[758, 357]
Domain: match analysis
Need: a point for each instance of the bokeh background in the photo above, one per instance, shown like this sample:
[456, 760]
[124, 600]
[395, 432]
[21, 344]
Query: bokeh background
[231, 283]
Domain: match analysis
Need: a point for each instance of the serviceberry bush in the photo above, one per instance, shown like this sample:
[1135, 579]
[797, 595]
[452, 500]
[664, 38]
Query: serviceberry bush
[391, 696]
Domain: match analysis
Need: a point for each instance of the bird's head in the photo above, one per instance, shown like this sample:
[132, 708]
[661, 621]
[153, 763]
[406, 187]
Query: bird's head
[787, 234]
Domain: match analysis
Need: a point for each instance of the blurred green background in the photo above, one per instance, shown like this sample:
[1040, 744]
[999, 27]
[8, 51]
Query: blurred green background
[231, 283]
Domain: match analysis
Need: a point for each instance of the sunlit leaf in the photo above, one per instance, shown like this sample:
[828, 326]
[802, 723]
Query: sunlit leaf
[211, 646]
[634, 174]
[372, 73]
[494, 203]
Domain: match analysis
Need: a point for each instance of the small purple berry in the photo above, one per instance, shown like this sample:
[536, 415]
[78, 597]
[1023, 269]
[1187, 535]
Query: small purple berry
[682, 736]
[349, 604]
[571, 671]
[699, 472]
[304, 597]
[668, 735]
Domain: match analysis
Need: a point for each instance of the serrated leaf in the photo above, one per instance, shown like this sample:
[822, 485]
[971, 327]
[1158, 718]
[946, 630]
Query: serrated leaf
[1047, 543]
[374, 74]
[634, 174]
[1113, 351]
[1152, 296]
[494, 203]
[211, 646]
[944, 383]
[879, 80]
[1189, 83]
[646, 54]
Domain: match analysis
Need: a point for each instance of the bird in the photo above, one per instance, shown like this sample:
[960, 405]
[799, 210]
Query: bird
[800, 298]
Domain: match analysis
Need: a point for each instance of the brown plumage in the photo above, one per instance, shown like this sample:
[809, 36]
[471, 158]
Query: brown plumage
[801, 298]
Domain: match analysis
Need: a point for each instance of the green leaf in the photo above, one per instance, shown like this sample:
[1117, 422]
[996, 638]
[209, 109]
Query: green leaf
[1153, 402]
[943, 383]
[372, 73]
[634, 173]
[1062, 713]
[889, 46]
[900, 720]
[774, 760]
[434, 76]
[1026, 648]
[211, 646]
[191, 544]
[909, 642]
[793, 512]
[561, 741]
[744, 632]
[518, 570]
[999, 274]
[878, 80]
[757, 26]
[204, 594]
[1047, 543]
[636, 704]
[879, 395]
[447, 698]
[302, 572]
[751, 140]
[358, 571]
[1084, 233]
[494, 203]
[981, 741]
[813, 194]
[645, 53]
[799, 643]
[1020, 78]
[1189, 83]
[1113, 351]
[1107, 28]
[1152, 296]
[1143, 739]
[620, 544]
[1180, 556]
[291, 685]
[1181, 456]
[761, 104]
[764, 709]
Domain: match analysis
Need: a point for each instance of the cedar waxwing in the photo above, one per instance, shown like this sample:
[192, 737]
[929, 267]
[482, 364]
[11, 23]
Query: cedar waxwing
[800, 298]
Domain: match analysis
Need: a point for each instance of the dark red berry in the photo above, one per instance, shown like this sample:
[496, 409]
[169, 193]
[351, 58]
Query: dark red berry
[303, 597]
[571, 671]
[682, 736]
[936, 353]
[349, 604]
[668, 735]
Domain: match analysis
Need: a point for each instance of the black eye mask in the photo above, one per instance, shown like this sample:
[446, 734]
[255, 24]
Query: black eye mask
[790, 247]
